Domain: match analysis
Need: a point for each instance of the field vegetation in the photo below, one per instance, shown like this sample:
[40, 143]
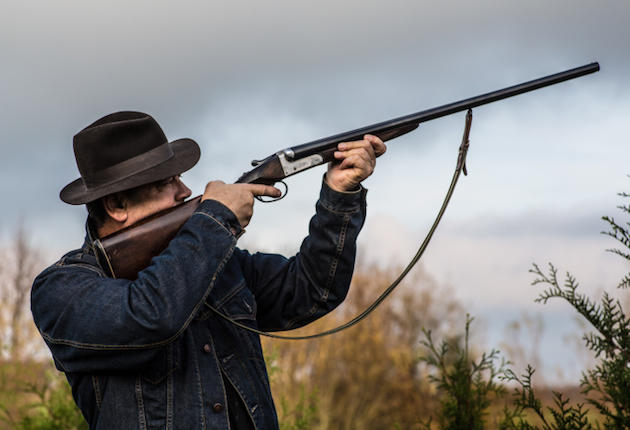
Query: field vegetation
[413, 364]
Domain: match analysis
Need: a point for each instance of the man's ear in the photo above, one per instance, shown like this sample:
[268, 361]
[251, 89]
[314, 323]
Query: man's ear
[116, 208]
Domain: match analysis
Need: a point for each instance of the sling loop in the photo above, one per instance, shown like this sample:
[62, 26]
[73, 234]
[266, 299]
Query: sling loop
[461, 167]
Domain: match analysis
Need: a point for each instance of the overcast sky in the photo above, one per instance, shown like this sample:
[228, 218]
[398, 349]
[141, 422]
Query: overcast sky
[246, 79]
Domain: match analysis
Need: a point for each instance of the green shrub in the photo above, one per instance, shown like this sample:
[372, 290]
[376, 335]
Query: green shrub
[607, 385]
[467, 387]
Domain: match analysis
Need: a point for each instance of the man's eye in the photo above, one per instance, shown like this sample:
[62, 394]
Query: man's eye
[164, 182]
[168, 181]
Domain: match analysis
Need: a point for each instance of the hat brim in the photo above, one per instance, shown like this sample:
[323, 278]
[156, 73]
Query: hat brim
[186, 153]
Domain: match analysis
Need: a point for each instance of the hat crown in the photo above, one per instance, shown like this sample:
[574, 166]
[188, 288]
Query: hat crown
[114, 139]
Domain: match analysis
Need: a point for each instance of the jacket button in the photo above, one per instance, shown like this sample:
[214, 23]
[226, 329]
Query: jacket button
[206, 348]
[217, 407]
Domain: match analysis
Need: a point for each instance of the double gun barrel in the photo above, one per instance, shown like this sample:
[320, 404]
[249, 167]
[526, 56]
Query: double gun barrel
[126, 252]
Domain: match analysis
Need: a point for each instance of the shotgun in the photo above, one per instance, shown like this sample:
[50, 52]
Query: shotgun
[127, 251]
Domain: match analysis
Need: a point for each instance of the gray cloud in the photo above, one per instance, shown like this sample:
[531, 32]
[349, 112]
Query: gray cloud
[226, 72]
[72, 59]
[548, 223]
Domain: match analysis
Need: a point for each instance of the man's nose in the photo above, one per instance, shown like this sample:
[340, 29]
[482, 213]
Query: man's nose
[183, 192]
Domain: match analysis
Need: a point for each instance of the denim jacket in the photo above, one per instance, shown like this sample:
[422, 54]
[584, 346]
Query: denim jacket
[149, 353]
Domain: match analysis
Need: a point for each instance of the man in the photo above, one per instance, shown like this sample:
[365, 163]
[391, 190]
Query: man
[150, 353]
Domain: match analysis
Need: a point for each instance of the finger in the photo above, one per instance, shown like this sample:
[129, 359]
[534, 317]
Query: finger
[377, 144]
[365, 160]
[264, 190]
[370, 150]
[356, 162]
[368, 157]
[351, 148]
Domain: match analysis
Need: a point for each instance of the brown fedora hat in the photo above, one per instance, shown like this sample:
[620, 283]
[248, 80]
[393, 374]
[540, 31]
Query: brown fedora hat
[124, 150]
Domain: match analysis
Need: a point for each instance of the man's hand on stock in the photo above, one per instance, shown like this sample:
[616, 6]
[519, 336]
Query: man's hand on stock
[355, 161]
[239, 198]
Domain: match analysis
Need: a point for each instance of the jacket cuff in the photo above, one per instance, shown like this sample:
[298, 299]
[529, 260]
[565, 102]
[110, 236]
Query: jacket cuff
[338, 201]
[222, 215]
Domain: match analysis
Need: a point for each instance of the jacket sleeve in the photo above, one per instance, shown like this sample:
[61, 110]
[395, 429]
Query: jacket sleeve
[91, 322]
[291, 292]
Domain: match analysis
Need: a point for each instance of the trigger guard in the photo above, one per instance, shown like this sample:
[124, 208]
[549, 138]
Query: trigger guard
[286, 191]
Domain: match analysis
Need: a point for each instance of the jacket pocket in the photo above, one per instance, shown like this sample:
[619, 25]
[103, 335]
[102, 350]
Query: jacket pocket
[240, 305]
[232, 298]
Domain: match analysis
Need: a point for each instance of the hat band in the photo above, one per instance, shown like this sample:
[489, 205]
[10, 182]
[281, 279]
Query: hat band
[130, 167]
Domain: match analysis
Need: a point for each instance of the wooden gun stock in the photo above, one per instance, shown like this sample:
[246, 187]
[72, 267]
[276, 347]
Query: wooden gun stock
[127, 251]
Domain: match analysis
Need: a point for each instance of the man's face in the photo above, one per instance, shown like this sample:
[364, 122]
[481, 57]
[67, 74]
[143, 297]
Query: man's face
[163, 195]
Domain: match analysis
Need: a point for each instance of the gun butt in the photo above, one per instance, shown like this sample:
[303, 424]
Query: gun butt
[130, 250]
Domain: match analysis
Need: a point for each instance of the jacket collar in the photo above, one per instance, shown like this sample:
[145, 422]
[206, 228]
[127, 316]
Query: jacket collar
[90, 247]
